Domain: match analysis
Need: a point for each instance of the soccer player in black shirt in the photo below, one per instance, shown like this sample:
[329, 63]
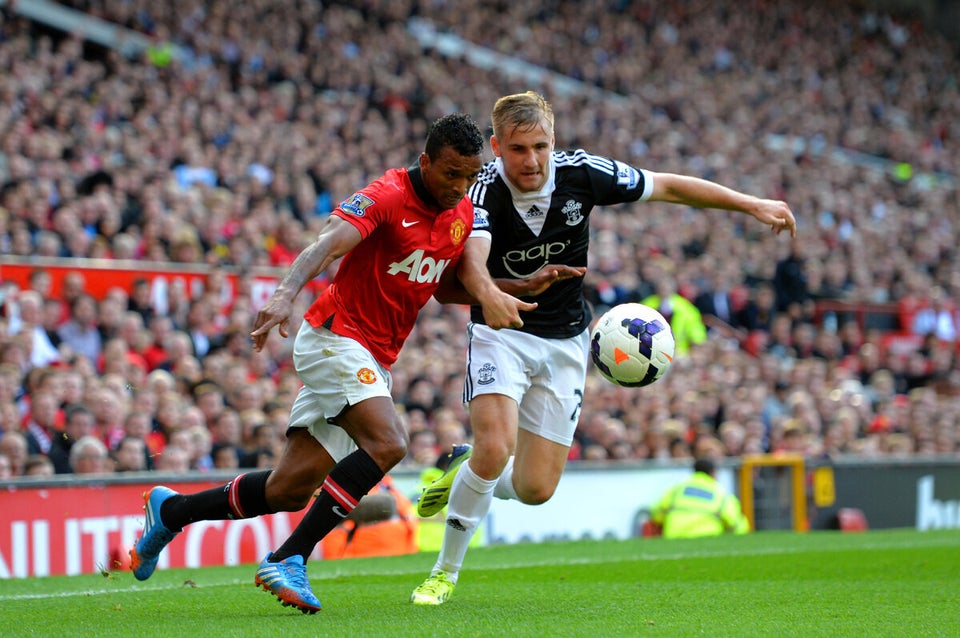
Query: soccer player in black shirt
[524, 386]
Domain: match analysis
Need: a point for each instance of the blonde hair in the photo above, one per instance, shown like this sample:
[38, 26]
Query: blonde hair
[523, 111]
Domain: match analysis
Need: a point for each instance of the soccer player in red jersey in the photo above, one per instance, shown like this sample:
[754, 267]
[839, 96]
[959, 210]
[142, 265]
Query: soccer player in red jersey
[398, 237]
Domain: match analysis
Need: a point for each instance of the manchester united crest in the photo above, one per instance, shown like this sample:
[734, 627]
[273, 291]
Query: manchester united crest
[457, 231]
[366, 376]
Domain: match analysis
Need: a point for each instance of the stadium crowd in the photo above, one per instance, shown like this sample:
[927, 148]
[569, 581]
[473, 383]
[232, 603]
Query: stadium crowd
[230, 150]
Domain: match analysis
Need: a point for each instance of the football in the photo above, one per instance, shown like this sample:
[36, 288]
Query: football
[632, 345]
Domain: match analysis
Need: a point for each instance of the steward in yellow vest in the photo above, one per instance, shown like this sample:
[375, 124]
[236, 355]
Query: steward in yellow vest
[699, 507]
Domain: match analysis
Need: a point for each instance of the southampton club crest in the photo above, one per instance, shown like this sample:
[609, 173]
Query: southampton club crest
[572, 211]
[485, 374]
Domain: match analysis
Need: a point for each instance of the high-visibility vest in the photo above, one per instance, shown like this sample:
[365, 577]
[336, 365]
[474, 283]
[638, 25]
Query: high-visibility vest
[699, 507]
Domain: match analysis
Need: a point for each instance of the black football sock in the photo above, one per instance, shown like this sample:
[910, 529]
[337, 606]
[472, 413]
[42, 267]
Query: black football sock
[243, 497]
[346, 484]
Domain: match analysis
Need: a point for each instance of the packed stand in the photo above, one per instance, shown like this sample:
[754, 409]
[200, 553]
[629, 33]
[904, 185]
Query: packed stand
[232, 156]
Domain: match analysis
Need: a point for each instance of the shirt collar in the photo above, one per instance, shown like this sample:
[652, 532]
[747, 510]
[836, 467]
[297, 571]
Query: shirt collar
[420, 188]
[541, 198]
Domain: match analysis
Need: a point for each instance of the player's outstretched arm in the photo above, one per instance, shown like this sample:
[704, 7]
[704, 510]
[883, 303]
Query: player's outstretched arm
[336, 239]
[701, 193]
[451, 289]
[500, 309]
[539, 281]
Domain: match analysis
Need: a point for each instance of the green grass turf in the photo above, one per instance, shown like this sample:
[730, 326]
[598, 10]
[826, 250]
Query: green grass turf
[879, 583]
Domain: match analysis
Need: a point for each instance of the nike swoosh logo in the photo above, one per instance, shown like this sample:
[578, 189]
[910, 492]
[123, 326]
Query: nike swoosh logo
[407, 224]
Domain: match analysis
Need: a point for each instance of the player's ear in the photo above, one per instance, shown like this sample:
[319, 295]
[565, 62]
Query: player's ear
[495, 146]
[424, 161]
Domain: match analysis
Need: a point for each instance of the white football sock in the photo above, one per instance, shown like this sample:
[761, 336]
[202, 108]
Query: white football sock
[504, 488]
[470, 499]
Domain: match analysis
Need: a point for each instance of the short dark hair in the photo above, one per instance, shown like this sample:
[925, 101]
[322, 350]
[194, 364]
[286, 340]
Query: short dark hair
[459, 131]
[704, 465]
[74, 409]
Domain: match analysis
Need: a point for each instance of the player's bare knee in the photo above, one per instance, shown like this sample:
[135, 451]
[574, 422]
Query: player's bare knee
[489, 458]
[386, 452]
[393, 454]
[535, 494]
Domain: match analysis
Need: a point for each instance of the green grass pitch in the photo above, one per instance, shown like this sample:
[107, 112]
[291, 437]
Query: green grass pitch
[878, 583]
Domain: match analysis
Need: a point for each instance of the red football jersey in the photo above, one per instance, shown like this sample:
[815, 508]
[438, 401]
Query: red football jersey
[384, 281]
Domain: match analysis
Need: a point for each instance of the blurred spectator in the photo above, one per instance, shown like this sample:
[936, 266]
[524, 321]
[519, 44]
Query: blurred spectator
[72, 285]
[38, 465]
[132, 331]
[759, 309]
[679, 449]
[130, 455]
[173, 459]
[109, 410]
[733, 436]
[939, 318]
[41, 427]
[51, 318]
[177, 346]
[140, 302]
[29, 321]
[422, 449]
[78, 423]
[225, 457]
[227, 430]
[718, 298]
[9, 416]
[201, 445]
[79, 331]
[789, 280]
[707, 446]
[160, 327]
[73, 386]
[13, 445]
[89, 455]
[109, 318]
[209, 397]
[264, 442]
[200, 325]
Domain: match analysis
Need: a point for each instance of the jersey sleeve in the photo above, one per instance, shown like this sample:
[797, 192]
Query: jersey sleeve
[481, 224]
[370, 206]
[616, 182]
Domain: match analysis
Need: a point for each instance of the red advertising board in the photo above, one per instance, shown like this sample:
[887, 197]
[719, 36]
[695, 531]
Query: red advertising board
[102, 275]
[84, 529]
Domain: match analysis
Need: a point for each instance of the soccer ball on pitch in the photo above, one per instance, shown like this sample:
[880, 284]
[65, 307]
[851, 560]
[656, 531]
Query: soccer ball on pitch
[632, 345]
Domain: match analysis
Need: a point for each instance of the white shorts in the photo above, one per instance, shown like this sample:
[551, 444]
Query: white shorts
[544, 376]
[336, 372]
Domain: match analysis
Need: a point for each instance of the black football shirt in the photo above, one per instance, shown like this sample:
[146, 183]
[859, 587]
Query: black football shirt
[530, 230]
